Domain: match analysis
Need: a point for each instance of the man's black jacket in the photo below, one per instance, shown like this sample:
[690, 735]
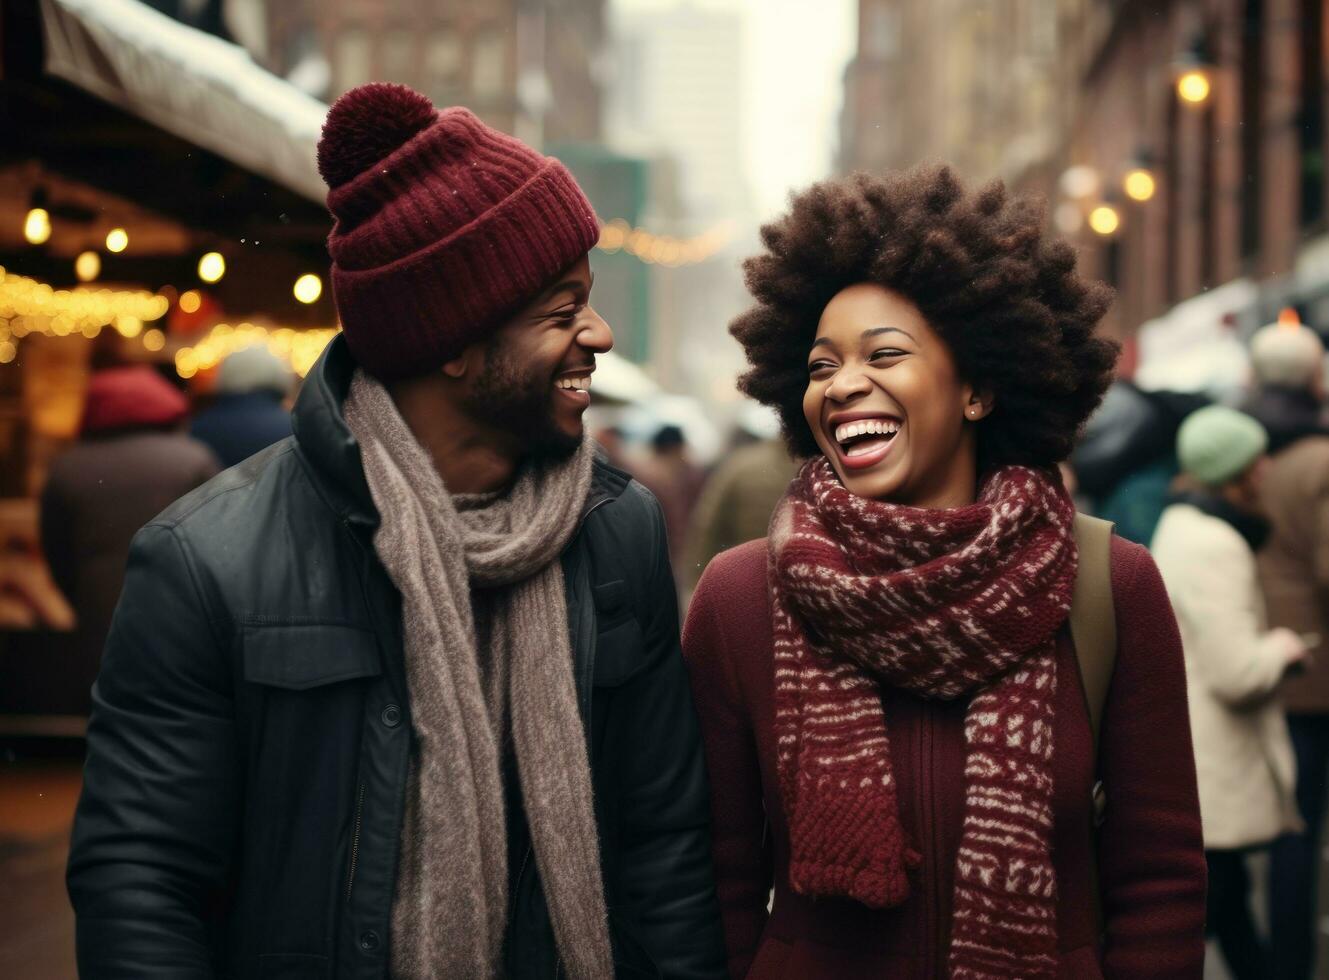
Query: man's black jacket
[251, 729]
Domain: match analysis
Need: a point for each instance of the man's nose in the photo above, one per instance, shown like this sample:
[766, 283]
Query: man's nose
[595, 335]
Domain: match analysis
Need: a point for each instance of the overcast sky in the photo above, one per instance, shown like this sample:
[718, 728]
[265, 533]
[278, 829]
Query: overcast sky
[796, 51]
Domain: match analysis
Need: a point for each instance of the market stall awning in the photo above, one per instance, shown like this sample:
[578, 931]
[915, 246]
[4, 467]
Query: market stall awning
[191, 84]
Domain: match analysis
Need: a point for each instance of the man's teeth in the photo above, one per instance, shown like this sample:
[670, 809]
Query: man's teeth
[851, 430]
[575, 384]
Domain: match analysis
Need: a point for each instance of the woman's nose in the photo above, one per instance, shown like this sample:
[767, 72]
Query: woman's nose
[847, 383]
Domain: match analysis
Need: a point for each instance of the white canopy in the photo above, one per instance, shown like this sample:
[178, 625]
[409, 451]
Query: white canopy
[189, 83]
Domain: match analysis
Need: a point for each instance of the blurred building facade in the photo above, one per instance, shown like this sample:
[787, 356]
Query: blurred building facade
[533, 68]
[676, 99]
[678, 84]
[1066, 98]
[973, 83]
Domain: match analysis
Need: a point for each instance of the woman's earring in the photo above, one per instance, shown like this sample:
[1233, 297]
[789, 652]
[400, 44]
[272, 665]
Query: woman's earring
[972, 411]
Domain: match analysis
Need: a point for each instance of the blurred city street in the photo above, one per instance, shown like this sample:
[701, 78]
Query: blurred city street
[213, 218]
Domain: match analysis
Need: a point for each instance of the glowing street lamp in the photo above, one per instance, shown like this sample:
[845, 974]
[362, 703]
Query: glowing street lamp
[88, 266]
[37, 226]
[308, 288]
[1193, 72]
[117, 240]
[211, 267]
[1139, 184]
[1104, 220]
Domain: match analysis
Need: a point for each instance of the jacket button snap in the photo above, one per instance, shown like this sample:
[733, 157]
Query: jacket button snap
[369, 941]
[391, 716]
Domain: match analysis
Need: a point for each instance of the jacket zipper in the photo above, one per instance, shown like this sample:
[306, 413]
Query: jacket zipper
[355, 839]
[521, 873]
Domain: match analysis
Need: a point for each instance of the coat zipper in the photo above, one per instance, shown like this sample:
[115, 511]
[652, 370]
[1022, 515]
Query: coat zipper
[355, 839]
[521, 873]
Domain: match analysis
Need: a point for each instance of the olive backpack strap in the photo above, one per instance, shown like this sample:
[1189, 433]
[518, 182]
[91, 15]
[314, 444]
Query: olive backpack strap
[1094, 634]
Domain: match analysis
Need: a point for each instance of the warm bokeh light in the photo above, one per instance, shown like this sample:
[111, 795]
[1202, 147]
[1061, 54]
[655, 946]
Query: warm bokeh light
[88, 266]
[1104, 219]
[299, 348]
[154, 340]
[128, 326]
[1139, 184]
[34, 307]
[308, 288]
[117, 240]
[665, 250]
[8, 351]
[37, 226]
[211, 267]
[190, 301]
[1193, 86]
[186, 364]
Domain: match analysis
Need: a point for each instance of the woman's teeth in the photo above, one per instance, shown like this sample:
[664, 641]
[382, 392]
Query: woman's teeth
[576, 384]
[867, 427]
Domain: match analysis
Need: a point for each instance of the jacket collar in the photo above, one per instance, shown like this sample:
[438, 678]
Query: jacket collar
[327, 444]
[1288, 415]
[1252, 527]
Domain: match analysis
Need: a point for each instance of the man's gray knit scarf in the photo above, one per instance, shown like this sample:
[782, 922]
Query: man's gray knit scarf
[472, 689]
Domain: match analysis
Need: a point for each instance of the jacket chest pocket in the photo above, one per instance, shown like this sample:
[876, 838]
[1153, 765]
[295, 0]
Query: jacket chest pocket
[304, 694]
[300, 657]
[619, 643]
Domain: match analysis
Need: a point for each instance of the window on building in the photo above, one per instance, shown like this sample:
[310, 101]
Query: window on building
[1172, 194]
[1311, 115]
[1252, 122]
[883, 32]
[1208, 197]
[442, 64]
[398, 57]
[1043, 29]
[489, 65]
[352, 58]
[1112, 263]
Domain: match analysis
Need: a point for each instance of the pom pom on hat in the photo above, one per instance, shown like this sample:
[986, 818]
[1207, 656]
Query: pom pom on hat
[1286, 353]
[1217, 443]
[366, 125]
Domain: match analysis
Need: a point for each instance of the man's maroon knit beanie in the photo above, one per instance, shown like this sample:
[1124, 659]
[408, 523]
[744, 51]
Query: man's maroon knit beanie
[444, 226]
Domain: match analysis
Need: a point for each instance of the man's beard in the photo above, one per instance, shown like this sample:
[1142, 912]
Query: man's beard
[520, 402]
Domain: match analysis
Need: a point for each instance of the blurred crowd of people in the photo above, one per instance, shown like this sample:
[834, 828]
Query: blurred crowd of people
[1233, 501]
[140, 446]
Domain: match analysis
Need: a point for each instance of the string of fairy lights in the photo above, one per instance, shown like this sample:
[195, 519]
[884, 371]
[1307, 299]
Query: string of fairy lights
[29, 306]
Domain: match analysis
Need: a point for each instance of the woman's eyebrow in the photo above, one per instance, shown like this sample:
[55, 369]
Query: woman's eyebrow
[870, 332]
[877, 331]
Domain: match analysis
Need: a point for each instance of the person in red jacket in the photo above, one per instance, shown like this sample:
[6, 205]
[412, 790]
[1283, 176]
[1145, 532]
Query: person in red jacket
[896, 733]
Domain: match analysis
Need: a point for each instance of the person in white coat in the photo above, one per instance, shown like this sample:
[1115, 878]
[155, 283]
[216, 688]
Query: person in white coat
[1205, 547]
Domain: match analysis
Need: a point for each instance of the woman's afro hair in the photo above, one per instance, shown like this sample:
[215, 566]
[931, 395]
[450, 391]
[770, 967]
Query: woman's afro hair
[1017, 319]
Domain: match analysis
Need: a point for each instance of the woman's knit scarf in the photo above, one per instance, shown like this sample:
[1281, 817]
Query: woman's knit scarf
[488, 663]
[945, 604]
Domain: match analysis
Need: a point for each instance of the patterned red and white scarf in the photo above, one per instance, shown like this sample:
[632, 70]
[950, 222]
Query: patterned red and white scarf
[945, 604]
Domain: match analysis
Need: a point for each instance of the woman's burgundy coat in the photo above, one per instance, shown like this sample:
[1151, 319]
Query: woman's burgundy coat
[1151, 858]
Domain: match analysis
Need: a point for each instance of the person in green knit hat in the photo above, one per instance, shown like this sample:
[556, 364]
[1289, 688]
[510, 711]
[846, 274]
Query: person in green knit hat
[1205, 547]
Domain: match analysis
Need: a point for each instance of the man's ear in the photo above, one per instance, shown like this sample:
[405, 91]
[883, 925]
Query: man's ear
[469, 361]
